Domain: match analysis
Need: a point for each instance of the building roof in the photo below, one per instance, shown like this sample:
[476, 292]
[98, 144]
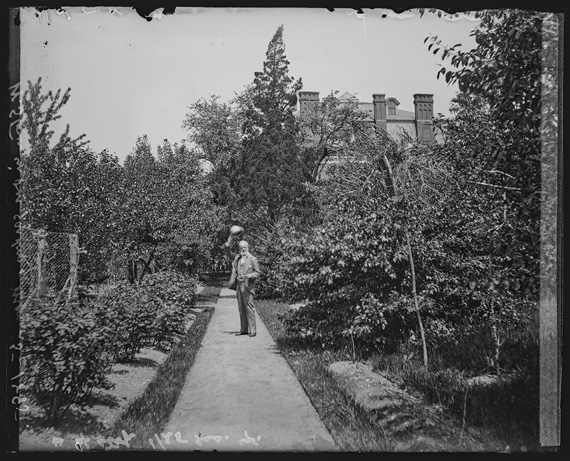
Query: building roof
[368, 108]
[402, 115]
[347, 97]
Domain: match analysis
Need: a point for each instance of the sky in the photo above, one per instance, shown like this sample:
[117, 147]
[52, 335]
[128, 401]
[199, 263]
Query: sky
[130, 77]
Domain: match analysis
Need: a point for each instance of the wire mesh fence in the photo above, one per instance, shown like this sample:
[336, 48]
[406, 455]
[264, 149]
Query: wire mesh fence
[48, 263]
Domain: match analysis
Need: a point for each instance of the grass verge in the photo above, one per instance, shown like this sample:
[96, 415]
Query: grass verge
[351, 427]
[149, 413]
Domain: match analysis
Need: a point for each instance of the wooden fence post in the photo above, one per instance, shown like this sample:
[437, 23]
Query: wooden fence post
[40, 263]
[73, 263]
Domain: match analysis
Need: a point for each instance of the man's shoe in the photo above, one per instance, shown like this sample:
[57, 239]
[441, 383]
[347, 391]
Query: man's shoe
[251, 335]
[240, 334]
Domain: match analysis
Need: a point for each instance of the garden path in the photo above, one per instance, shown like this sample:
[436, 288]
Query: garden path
[241, 395]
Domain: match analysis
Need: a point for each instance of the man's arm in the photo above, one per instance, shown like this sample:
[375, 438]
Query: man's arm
[228, 251]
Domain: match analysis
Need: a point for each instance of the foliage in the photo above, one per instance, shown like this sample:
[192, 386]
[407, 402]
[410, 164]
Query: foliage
[258, 175]
[188, 219]
[214, 128]
[149, 314]
[65, 187]
[168, 214]
[175, 295]
[269, 174]
[274, 92]
[326, 128]
[494, 141]
[503, 73]
[37, 118]
[504, 69]
[151, 207]
[65, 353]
[352, 268]
[348, 270]
[130, 313]
[140, 201]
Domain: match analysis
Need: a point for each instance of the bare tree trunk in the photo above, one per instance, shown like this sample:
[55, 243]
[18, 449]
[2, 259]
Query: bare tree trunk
[392, 187]
[130, 271]
[146, 266]
[389, 176]
[496, 339]
[416, 303]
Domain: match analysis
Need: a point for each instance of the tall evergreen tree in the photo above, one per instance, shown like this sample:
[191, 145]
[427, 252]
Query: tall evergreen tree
[274, 91]
[270, 175]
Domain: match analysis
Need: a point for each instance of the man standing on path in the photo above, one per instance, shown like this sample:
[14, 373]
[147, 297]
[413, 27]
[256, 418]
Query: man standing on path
[245, 269]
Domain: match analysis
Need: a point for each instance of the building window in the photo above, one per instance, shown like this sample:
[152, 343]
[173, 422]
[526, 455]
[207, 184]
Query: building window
[392, 104]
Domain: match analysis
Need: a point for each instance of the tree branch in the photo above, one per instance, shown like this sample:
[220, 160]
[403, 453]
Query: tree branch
[495, 186]
[500, 172]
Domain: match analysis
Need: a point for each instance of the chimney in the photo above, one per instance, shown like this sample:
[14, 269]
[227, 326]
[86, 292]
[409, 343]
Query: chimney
[307, 99]
[379, 104]
[423, 104]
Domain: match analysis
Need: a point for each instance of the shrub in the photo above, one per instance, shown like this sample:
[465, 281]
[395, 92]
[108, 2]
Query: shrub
[318, 322]
[149, 314]
[130, 314]
[65, 353]
[173, 294]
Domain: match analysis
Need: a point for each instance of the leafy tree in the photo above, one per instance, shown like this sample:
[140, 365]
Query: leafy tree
[326, 128]
[188, 217]
[169, 216]
[106, 190]
[64, 186]
[393, 192]
[504, 73]
[140, 205]
[43, 166]
[496, 134]
[214, 128]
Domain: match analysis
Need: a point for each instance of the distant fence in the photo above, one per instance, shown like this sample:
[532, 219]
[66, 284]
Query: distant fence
[48, 264]
[218, 264]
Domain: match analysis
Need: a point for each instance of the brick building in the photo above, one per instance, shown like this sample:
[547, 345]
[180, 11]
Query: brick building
[386, 114]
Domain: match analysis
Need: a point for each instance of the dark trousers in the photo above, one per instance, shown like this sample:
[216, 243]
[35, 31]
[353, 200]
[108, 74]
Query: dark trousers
[246, 309]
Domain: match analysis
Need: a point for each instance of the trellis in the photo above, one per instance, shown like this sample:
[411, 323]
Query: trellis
[49, 264]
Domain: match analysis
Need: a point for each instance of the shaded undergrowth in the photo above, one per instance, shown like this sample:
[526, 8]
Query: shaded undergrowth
[504, 412]
[507, 408]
